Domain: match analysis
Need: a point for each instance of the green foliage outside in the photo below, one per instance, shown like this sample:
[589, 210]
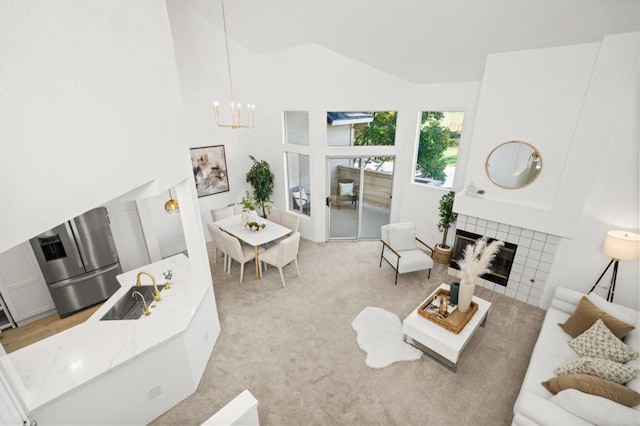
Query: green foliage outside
[381, 131]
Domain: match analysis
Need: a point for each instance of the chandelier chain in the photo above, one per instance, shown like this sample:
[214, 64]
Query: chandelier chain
[226, 42]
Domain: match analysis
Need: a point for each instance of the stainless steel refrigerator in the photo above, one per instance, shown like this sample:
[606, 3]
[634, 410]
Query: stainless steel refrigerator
[79, 261]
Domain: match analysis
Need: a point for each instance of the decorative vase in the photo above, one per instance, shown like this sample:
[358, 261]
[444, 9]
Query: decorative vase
[245, 218]
[253, 216]
[465, 293]
[454, 289]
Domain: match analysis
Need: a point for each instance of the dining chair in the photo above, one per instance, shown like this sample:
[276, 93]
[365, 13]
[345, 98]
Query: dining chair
[291, 221]
[218, 243]
[222, 213]
[283, 254]
[241, 253]
[275, 215]
[401, 250]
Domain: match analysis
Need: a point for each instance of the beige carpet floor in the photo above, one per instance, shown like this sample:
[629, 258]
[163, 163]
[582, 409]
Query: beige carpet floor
[295, 350]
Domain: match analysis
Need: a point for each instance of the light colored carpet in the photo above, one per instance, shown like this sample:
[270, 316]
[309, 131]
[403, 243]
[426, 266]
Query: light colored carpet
[294, 349]
[379, 334]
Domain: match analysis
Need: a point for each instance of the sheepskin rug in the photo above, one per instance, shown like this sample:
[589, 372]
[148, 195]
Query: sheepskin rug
[379, 334]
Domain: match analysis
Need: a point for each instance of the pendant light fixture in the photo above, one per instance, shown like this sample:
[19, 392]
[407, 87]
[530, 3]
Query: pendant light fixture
[236, 109]
[171, 206]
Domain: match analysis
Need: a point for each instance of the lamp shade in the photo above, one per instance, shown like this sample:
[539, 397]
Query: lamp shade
[622, 245]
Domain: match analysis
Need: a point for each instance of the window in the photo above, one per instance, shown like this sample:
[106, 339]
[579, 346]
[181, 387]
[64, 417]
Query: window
[296, 127]
[299, 183]
[361, 128]
[438, 142]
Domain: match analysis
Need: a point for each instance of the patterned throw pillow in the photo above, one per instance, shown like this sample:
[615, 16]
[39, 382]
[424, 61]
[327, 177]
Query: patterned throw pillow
[603, 368]
[599, 342]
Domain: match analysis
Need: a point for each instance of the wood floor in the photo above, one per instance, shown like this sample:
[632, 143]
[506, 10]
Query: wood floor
[16, 338]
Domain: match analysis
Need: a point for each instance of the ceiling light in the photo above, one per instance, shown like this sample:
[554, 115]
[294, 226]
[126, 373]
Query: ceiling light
[236, 109]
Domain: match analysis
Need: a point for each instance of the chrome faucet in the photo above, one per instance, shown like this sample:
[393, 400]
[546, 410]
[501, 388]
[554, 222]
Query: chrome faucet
[144, 302]
[156, 292]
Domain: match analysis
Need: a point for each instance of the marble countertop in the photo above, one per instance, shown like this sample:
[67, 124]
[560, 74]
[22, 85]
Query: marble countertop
[58, 364]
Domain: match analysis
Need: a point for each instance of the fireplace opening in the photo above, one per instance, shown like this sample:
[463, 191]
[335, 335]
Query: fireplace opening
[501, 265]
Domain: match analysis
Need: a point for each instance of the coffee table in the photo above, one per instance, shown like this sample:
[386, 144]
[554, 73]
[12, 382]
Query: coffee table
[437, 342]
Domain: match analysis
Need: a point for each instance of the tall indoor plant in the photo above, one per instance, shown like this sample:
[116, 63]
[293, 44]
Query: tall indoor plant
[442, 251]
[261, 179]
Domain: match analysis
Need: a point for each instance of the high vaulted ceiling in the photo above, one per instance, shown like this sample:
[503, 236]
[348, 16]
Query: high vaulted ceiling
[421, 41]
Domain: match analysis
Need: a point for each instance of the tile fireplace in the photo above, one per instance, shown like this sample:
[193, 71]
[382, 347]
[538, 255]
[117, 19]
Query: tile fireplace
[532, 257]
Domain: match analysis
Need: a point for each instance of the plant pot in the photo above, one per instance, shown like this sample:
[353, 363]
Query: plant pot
[442, 254]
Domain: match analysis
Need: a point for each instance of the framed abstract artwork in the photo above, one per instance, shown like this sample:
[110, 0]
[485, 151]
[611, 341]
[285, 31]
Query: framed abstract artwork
[209, 170]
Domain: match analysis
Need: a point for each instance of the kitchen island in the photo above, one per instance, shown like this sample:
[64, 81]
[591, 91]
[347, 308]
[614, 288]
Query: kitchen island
[127, 371]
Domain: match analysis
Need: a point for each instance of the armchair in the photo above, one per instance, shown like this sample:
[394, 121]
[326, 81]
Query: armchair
[300, 199]
[403, 250]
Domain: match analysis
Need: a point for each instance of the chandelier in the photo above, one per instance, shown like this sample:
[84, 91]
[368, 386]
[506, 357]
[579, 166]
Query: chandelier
[237, 119]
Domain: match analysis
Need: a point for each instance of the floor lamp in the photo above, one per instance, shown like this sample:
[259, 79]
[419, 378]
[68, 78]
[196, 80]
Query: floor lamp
[619, 245]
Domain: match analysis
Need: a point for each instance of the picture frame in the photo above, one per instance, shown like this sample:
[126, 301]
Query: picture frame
[209, 165]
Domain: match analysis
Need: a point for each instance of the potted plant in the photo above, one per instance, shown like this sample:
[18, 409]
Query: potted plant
[261, 179]
[248, 208]
[442, 251]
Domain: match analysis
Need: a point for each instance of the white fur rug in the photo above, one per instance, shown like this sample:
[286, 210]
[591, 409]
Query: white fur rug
[379, 334]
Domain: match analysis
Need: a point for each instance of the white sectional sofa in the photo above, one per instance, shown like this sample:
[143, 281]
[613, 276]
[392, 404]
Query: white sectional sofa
[535, 405]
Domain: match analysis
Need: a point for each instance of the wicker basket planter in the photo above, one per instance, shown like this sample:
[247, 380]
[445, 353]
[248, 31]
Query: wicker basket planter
[441, 255]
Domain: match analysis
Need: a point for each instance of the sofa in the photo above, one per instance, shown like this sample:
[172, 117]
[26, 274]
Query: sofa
[536, 405]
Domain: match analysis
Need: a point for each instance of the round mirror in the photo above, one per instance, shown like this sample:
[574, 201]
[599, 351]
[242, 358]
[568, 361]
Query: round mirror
[513, 164]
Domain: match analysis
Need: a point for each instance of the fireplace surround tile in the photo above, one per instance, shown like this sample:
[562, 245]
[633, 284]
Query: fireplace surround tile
[531, 264]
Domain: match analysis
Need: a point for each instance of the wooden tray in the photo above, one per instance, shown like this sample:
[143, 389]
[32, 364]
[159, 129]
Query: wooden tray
[455, 322]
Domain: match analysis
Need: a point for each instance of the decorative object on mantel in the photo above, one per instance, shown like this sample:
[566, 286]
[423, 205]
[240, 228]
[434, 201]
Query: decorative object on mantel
[442, 251]
[171, 206]
[471, 190]
[619, 245]
[480, 193]
[236, 109]
[261, 179]
[476, 261]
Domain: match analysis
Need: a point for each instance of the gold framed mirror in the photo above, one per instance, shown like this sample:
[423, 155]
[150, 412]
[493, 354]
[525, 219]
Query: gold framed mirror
[513, 164]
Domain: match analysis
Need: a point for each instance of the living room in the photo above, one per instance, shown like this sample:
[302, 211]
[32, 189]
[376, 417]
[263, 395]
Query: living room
[576, 102]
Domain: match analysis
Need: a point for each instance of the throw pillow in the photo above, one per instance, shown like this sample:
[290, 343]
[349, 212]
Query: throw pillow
[346, 189]
[599, 342]
[595, 409]
[402, 236]
[594, 386]
[586, 314]
[603, 368]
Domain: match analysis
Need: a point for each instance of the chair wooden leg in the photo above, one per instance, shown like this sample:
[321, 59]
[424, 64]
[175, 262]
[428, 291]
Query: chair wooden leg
[241, 272]
[297, 269]
[282, 276]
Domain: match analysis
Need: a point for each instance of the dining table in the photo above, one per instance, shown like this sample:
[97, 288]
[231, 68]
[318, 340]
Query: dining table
[272, 231]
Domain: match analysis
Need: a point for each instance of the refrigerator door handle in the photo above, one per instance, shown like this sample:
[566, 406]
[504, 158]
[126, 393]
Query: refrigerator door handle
[76, 253]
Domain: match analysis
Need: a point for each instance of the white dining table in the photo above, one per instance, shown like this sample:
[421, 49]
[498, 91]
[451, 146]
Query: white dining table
[271, 232]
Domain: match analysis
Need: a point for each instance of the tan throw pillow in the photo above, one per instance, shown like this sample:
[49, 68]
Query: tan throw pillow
[603, 368]
[599, 342]
[594, 386]
[586, 314]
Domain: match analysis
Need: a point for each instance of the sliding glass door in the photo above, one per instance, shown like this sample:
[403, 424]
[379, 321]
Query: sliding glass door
[360, 196]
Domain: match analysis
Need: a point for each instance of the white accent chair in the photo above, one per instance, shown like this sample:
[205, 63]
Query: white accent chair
[275, 215]
[401, 250]
[284, 253]
[218, 243]
[222, 213]
[241, 253]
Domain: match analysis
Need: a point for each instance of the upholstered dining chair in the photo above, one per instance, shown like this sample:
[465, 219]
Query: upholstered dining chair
[218, 243]
[221, 213]
[275, 215]
[241, 253]
[283, 254]
[403, 250]
[291, 221]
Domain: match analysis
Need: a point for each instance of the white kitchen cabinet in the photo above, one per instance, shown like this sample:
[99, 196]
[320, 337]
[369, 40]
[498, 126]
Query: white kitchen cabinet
[22, 285]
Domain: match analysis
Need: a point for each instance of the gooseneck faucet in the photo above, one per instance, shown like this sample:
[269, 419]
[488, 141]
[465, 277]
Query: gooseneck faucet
[156, 292]
[144, 302]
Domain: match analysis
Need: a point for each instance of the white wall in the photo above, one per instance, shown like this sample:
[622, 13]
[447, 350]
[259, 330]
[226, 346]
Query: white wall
[579, 106]
[90, 106]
